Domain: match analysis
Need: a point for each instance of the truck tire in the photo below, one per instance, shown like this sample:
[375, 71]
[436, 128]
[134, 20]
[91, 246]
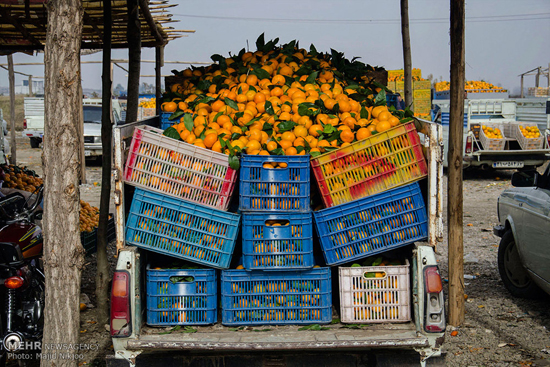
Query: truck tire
[35, 142]
[513, 274]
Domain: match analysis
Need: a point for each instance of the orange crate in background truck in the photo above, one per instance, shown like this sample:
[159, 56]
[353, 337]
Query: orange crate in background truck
[421, 335]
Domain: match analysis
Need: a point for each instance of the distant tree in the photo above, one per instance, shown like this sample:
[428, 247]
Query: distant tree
[95, 94]
[119, 89]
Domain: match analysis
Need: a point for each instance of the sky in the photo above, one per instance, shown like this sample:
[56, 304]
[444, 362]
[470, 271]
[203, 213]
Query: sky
[503, 38]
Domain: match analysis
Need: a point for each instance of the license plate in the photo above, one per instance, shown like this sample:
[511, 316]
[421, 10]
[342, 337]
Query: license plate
[87, 153]
[508, 165]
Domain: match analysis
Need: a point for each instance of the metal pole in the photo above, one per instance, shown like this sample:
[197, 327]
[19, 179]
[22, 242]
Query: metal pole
[454, 197]
[521, 95]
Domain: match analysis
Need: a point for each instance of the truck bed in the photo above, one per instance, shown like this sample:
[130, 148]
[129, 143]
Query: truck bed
[283, 338]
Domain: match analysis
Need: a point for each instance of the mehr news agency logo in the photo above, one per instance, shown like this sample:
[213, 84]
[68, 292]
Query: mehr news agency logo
[18, 348]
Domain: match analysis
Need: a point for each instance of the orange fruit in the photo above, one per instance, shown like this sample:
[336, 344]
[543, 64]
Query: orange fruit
[291, 151]
[383, 126]
[330, 103]
[300, 131]
[169, 107]
[271, 145]
[377, 110]
[289, 136]
[362, 133]
[384, 116]
[314, 130]
[285, 144]
[347, 136]
[210, 139]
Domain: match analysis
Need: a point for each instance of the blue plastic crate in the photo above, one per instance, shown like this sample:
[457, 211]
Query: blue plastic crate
[180, 229]
[264, 189]
[276, 298]
[181, 297]
[165, 123]
[277, 241]
[372, 225]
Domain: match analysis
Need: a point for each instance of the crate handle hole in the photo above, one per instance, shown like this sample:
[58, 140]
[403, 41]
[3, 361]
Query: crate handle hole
[375, 275]
[275, 165]
[277, 223]
[181, 279]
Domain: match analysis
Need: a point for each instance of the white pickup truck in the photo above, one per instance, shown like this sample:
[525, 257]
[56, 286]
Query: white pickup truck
[507, 115]
[416, 341]
[34, 122]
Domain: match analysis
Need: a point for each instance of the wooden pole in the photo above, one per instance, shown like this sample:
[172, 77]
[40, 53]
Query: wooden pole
[454, 187]
[407, 60]
[11, 77]
[102, 275]
[30, 86]
[158, 64]
[134, 60]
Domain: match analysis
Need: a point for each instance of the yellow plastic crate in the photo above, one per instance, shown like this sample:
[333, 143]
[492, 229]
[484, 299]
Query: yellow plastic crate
[383, 161]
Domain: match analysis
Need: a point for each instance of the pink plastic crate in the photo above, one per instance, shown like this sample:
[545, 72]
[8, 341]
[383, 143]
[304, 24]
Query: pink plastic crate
[162, 164]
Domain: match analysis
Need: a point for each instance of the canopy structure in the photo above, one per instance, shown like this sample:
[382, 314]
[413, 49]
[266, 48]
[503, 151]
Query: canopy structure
[23, 24]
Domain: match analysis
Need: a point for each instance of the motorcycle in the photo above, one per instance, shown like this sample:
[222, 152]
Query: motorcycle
[22, 280]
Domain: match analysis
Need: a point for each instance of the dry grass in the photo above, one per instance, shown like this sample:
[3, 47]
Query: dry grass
[19, 110]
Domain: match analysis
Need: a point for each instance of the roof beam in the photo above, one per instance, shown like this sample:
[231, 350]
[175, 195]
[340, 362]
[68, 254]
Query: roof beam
[89, 19]
[151, 22]
[5, 14]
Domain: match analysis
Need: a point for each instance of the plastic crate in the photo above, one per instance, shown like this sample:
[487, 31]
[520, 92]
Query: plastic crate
[173, 227]
[492, 143]
[181, 297]
[378, 163]
[276, 298]
[270, 247]
[374, 294]
[262, 189]
[165, 123]
[89, 239]
[372, 225]
[162, 164]
[528, 143]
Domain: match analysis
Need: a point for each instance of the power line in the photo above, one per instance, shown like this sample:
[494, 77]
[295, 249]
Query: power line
[488, 18]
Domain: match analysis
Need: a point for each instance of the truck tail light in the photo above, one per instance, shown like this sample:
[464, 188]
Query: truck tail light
[468, 149]
[121, 325]
[24, 124]
[434, 321]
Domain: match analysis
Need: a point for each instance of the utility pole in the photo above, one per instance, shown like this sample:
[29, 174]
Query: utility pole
[454, 186]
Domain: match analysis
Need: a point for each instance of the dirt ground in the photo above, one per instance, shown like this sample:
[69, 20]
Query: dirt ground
[499, 330]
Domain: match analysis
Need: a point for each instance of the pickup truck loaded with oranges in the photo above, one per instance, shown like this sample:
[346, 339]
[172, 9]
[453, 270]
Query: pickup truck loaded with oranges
[282, 211]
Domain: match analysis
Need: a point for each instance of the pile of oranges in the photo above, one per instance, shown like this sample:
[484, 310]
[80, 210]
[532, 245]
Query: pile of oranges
[492, 132]
[479, 86]
[278, 100]
[530, 132]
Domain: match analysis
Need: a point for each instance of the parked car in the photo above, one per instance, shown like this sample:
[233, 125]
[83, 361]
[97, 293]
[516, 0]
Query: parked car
[524, 228]
[92, 125]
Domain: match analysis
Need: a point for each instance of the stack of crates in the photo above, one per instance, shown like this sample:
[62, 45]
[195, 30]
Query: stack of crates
[179, 209]
[422, 90]
[278, 283]
[373, 205]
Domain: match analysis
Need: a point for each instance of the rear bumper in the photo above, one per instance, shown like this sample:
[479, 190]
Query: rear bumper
[285, 339]
[529, 158]
[32, 134]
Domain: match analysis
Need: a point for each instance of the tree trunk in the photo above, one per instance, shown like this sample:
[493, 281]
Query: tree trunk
[63, 252]
[134, 60]
[30, 86]
[454, 186]
[102, 275]
[13, 153]
[406, 52]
